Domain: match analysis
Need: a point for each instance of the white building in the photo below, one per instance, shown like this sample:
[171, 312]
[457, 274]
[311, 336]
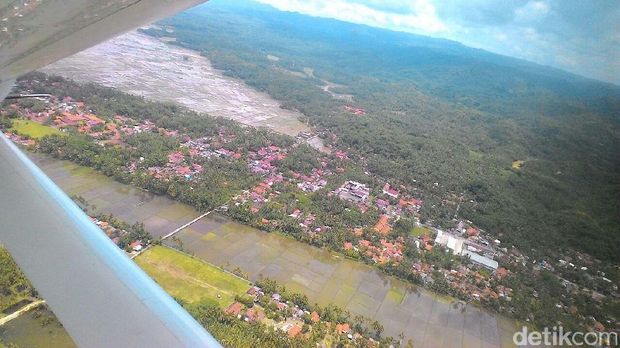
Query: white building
[450, 241]
[459, 247]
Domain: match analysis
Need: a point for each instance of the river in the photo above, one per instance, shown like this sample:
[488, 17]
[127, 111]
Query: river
[143, 65]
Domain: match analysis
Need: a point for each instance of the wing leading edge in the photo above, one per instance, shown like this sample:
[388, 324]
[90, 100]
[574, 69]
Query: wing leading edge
[37, 33]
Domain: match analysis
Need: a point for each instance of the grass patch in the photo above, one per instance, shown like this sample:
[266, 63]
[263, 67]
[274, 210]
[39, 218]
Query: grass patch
[443, 298]
[419, 231]
[395, 295]
[304, 200]
[475, 155]
[32, 129]
[209, 236]
[190, 279]
[344, 294]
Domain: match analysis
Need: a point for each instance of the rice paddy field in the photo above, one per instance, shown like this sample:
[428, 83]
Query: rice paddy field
[429, 319]
[32, 129]
[190, 279]
[325, 277]
[160, 215]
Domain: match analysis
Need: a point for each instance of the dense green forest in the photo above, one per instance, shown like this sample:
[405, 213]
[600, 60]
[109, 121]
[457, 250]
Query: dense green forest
[450, 118]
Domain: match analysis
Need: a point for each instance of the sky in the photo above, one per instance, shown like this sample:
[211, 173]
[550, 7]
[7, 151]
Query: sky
[580, 36]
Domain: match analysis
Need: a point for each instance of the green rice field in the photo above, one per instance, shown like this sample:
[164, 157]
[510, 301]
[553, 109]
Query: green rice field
[190, 279]
[32, 129]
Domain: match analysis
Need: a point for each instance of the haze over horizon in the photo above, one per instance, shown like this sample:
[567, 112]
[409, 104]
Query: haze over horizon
[579, 37]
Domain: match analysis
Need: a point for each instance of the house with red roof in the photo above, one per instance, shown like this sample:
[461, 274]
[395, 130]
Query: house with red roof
[234, 309]
[390, 191]
[472, 231]
[354, 110]
[183, 171]
[293, 331]
[254, 315]
[176, 157]
[281, 306]
[382, 226]
[136, 245]
[343, 328]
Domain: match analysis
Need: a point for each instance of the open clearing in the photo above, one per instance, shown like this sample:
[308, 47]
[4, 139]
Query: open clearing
[32, 129]
[190, 279]
[420, 231]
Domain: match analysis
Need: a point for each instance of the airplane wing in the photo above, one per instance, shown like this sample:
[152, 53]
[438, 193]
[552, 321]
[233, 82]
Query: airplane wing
[35, 33]
[101, 297]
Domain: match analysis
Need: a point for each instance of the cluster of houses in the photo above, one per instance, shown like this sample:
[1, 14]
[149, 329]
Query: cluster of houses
[355, 110]
[475, 285]
[313, 182]
[384, 253]
[183, 162]
[469, 282]
[389, 202]
[18, 139]
[177, 165]
[292, 317]
[392, 202]
[115, 234]
[65, 114]
[263, 161]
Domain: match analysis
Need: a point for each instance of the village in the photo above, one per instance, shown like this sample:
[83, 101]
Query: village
[273, 310]
[482, 261]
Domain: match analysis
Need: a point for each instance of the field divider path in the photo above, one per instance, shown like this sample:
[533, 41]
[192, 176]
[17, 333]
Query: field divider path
[185, 226]
[177, 230]
[20, 311]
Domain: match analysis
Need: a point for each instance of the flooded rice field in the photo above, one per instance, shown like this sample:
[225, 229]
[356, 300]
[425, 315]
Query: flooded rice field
[160, 215]
[36, 328]
[325, 277]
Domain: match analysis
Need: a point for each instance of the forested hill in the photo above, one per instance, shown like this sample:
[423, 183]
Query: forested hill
[438, 112]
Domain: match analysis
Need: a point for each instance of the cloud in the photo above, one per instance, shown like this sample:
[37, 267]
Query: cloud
[420, 15]
[578, 36]
[531, 11]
